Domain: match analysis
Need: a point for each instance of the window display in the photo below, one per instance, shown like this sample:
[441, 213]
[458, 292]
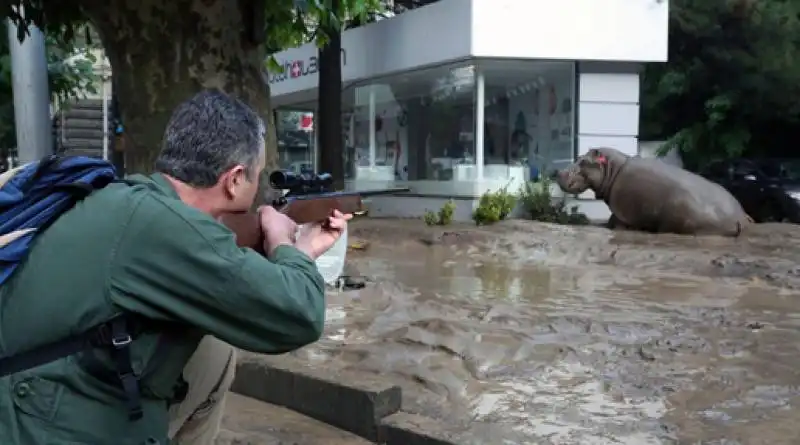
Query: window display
[415, 126]
[421, 126]
[528, 112]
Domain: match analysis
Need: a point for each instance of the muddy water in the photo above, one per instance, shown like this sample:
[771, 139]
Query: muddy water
[544, 334]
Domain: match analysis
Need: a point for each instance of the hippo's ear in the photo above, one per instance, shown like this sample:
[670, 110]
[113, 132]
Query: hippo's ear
[597, 156]
[594, 156]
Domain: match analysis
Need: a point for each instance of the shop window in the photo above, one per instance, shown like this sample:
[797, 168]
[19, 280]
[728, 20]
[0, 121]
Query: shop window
[528, 117]
[415, 126]
[295, 131]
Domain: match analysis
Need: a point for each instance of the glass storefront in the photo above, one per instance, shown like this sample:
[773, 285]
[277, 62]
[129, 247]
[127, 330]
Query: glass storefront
[417, 126]
[423, 127]
[295, 130]
[528, 117]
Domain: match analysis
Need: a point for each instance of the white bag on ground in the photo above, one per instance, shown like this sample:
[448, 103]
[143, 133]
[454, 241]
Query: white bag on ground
[331, 263]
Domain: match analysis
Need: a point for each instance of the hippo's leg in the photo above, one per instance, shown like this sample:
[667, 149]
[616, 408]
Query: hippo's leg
[615, 224]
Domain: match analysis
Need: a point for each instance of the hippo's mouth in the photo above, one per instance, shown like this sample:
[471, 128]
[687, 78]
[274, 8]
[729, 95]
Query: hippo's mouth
[571, 184]
[575, 184]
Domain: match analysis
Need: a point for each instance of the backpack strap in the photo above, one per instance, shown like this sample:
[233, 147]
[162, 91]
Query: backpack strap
[114, 334]
[121, 354]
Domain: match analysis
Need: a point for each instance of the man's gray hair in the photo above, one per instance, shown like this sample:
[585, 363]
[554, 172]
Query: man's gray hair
[208, 135]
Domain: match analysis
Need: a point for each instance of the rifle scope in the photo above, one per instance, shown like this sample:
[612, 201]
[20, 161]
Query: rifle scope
[288, 180]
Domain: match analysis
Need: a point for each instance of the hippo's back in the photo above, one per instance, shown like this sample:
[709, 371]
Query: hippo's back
[680, 178]
[693, 187]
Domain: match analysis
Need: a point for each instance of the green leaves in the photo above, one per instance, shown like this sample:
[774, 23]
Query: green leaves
[732, 80]
[293, 23]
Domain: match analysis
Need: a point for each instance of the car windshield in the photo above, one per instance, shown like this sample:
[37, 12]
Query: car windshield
[782, 169]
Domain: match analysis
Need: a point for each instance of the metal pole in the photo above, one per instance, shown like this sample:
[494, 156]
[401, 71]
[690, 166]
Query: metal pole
[31, 94]
[105, 118]
[480, 102]
[372, 136]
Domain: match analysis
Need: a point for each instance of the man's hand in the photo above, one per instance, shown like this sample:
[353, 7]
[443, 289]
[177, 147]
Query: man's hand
[278, 228]
[316, 239]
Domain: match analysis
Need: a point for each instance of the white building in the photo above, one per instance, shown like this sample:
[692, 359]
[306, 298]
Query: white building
[550, 80]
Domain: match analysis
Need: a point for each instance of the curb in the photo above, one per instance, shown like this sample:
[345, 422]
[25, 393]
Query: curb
[359, 403]
[410, 429]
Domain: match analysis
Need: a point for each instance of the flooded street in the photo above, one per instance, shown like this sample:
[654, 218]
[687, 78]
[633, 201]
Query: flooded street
[533, 333]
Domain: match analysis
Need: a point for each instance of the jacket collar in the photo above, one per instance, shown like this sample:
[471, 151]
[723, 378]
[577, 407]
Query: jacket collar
[159, 181]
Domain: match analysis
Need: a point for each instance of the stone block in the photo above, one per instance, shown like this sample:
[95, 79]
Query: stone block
[351, 401]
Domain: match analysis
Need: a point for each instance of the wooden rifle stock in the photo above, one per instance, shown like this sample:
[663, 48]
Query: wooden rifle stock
[301, 209]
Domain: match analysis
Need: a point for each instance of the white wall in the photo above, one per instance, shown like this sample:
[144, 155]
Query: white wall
[608, 110]
[450, 30]
[435, 34]
[613, 30]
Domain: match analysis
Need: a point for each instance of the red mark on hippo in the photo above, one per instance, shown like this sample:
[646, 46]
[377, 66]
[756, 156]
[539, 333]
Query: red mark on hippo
[602, 160]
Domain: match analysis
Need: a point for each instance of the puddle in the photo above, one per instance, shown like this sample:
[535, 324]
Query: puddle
[580, 335]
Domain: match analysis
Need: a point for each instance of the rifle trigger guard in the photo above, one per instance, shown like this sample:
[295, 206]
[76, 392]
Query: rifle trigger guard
[280, 203]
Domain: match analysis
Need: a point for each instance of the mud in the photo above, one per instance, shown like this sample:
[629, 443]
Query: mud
[535, 333]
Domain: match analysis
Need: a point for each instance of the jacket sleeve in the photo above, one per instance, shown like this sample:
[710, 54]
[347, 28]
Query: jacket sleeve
[178, 264]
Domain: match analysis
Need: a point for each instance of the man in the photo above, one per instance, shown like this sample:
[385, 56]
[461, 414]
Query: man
[154, 250]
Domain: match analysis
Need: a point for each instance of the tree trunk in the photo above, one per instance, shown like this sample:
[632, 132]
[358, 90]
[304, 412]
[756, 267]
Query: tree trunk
[329, 109]
[164, 52]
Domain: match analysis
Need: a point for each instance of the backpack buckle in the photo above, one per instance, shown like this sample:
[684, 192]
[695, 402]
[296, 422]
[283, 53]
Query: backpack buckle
[121, 341]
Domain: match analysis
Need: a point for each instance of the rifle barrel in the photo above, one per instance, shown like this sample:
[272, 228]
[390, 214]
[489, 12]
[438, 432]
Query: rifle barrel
[362, 194]
[392, 191]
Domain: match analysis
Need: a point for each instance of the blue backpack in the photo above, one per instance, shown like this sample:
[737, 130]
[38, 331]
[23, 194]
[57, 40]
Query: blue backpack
[32, 197]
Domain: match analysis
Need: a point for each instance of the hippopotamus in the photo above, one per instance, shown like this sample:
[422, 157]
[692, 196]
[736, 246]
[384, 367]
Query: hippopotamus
[650, 195]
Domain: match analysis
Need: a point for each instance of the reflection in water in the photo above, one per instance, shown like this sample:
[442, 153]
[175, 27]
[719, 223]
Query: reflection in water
[569, 355]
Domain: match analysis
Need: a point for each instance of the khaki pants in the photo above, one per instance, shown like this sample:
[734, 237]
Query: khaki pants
[209, 373]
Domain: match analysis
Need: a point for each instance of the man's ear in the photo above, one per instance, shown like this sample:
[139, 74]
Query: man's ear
[233, 179]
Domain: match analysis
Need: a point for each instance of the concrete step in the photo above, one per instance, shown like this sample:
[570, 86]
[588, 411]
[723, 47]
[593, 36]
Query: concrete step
[251, 422]
[363, 404]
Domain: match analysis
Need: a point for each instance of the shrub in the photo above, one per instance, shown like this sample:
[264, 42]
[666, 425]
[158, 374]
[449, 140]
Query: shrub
[443, 218]
[446, 213]
[494, 206]
[539, 205]
[431, 218]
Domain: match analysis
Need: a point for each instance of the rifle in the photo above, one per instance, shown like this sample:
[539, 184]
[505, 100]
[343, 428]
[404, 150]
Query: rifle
[306, 198]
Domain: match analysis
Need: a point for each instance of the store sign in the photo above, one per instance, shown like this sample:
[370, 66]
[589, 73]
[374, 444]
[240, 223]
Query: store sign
[293, 69]
[306, 122]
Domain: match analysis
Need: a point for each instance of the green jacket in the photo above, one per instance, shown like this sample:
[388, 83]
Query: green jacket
[140, 249]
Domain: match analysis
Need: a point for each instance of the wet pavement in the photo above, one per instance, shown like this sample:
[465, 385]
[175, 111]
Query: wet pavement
[545, 334]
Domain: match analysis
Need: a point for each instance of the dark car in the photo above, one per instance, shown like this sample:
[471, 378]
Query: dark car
[768, 189]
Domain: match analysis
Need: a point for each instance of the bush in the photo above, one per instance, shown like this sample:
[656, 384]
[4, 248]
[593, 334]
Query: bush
[443, 218]
[446, 213]
[430, 218]
[494, 207]
[539, 204]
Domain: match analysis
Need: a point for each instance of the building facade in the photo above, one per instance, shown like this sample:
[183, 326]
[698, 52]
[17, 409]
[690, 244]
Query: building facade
[464, 96]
